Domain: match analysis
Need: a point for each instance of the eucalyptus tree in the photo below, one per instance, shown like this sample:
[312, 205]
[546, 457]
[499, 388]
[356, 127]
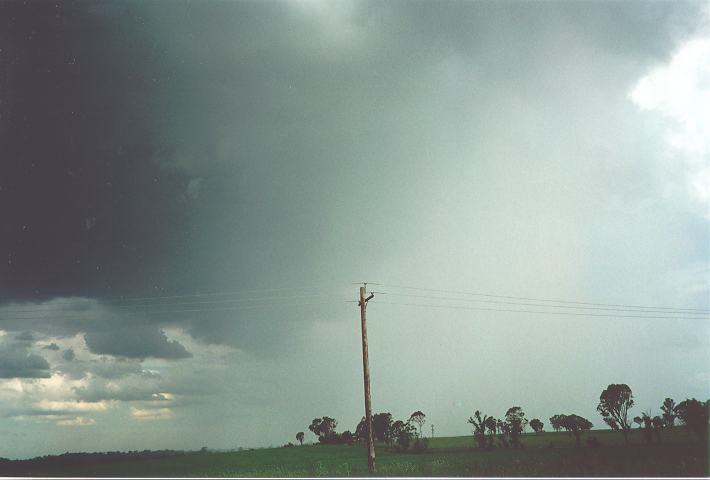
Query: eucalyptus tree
[419, 418]
[516, 421]
[480, 424]
[536, 425]
[694, 414]
[575, 425]
[614, 404]
[669, 413]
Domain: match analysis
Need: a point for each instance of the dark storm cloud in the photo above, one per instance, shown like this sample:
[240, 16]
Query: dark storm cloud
[17, 362]
[92, 214]
[68, 354]
[135, 342]
[52, 346]
[189, 147]
[127, 126]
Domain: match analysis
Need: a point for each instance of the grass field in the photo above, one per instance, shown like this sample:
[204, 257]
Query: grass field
[545, 454]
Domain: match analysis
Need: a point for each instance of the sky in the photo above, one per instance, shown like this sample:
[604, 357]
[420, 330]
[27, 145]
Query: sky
[191, 191]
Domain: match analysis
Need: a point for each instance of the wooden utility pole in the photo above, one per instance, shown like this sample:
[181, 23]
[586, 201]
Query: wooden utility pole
[366, 374]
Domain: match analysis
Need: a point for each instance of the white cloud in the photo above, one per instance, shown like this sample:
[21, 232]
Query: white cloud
[71, 406]
[77, 421]
[151, 413]
[57, 387]
[680, 92]
[12, 384]
[163, 397]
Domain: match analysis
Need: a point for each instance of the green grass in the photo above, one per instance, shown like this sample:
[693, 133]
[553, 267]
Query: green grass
[545, 454]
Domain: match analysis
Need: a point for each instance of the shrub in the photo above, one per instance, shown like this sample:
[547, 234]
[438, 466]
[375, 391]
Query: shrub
[346, 437]
[420, 445]
[404, 440]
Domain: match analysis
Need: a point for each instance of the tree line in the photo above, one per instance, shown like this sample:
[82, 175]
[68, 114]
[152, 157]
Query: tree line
[402, 434]
[615, 403]
[614, 406]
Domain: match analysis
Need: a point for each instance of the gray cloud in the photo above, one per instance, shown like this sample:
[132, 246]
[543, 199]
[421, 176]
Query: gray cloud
[108, 329]
[135, 342]
[114, 368]
[61, 317]
[26, 337]
[89, 365]
[17, 362]
[52, 346]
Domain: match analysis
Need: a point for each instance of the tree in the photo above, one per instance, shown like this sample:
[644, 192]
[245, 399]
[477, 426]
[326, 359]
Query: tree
[402, 433]
[614, 405]
[299, 437]
[361, 431]
[492, 425]
[669, 414]
[612, 423]
[381, 425]
[324, 429]
[396, 427]
[536, 425]
[694, 414]
[575, 425]
[346, 437]
[647, 427]
[638, 420]
[419, 418]
[658, 425]
[555, 422]
[480, 423]
[503, 432]
[515, 421]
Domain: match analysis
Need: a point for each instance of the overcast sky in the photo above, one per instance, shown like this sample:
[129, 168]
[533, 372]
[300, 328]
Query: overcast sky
[282, 151]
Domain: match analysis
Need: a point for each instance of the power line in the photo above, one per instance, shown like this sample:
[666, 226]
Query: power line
[578, 307]
[538, 299]
[576, 314]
